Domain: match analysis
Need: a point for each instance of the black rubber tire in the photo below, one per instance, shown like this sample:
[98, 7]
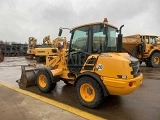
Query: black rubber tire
[99, 97]
[49, 85]
[150, 62]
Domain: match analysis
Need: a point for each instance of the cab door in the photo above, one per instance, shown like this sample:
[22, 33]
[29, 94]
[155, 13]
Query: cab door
[78, 51]
[145, 39]
[150, 41]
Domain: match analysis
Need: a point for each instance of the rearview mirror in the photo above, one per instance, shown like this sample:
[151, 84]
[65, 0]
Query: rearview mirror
[60, 32]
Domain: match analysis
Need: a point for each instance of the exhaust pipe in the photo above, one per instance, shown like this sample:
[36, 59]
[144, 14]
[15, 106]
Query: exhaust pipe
[28, 76]
[120, 37]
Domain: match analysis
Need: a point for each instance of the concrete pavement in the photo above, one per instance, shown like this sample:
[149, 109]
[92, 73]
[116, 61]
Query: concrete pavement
[17, 104]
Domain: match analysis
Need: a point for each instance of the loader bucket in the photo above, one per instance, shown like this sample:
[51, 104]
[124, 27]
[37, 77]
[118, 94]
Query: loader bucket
[28, 76]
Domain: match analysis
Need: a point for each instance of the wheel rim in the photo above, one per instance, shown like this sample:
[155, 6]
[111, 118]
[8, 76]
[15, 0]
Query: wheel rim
[156, 60]
[87, 92]
[42, 81]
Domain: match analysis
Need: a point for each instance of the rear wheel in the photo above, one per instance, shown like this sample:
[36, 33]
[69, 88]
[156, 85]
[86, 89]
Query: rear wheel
[89, 92]
[44, 81]
[154, 60]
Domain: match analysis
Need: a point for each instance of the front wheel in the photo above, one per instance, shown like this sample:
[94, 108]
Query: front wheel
[89, 92]
[44, 81]
[154, 60]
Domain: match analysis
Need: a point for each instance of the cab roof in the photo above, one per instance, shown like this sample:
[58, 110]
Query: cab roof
[138, 35]
[94, 23]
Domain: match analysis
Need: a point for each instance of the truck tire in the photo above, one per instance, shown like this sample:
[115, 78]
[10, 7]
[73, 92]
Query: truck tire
[89, 92]
[44, 81]
[154, 60]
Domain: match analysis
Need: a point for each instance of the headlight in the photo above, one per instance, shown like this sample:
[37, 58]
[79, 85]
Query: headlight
[122, 76]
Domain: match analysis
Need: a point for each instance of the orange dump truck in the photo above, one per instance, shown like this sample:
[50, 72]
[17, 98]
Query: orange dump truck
[144, 47]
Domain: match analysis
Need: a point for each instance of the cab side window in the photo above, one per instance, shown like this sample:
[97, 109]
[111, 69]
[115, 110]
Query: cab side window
[152, 40]
[147, 39]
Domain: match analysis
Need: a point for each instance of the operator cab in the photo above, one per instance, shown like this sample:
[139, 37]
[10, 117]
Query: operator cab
[88, 39]
[94, 38]
[149, 39]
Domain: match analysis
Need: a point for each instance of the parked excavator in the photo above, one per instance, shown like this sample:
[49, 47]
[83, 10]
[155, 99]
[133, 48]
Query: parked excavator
[32, 42]
[46, 49]
[32, 48]
[47, 40]
[93, 63]
[144, 47]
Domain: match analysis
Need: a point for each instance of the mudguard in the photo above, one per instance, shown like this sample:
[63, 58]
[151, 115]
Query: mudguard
[97, 78]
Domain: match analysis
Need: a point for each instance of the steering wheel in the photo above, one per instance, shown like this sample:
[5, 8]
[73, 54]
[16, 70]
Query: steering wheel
[80, 52]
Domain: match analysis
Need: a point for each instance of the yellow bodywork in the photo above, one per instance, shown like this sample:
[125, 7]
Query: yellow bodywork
[122, 86]
[44, 51]
[95, 24]
[108, 73]
[58, 61]
[110, 61]
[111, 68]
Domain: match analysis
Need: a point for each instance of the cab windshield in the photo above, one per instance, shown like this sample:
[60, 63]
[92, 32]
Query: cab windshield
[100, 39]
[104, 39]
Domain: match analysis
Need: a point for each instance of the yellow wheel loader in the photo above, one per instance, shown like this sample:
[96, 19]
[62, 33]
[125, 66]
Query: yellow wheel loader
[93, 63]
[144, 47]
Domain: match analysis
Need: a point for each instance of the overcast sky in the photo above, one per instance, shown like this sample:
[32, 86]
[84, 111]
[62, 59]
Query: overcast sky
[20, 19]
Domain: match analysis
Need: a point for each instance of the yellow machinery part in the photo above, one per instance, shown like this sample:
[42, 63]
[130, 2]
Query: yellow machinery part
[87, 92]
[42, 81]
